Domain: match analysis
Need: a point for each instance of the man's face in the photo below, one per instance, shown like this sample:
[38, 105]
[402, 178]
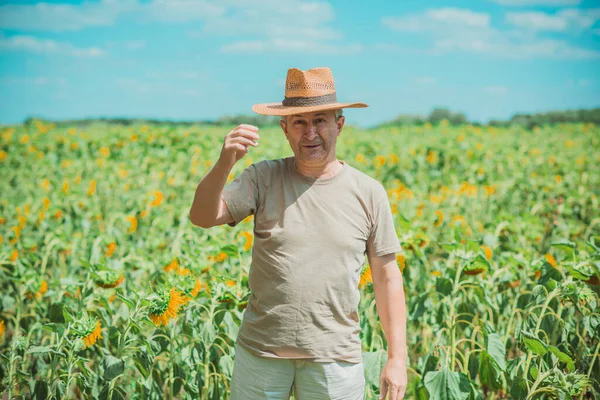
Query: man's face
[313, 136]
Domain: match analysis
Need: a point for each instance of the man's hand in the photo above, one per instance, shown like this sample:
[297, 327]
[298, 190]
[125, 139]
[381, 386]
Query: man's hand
[393, 380]
[237, 142]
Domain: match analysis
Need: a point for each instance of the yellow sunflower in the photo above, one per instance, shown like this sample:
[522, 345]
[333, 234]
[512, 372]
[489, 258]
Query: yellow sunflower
[91, 338]
[365, 277]
[166, 307]
[109, 279]
[89, 330]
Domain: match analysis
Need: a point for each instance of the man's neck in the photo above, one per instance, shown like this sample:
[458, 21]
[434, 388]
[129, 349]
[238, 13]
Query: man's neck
[327, 170]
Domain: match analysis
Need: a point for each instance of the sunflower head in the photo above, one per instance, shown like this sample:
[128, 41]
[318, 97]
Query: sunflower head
[109, 278]
[165, 306]
[89, 330]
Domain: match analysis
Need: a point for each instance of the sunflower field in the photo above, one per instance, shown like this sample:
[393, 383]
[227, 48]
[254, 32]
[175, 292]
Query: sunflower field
[108, 291]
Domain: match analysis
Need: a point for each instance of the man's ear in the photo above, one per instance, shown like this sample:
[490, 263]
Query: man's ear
[340, 124]
[283, 126]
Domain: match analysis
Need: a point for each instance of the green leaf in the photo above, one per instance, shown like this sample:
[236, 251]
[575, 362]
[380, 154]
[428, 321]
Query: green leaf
[231, 250]
[473, 245]
[534, 344]
[447, 385]
[518, 390]
[208, 333]
[231, 327]
[497, 350]
[55, 313]
[113, 367]
[489, 371]
[373, 363]
[431, 363]
[480, 262]
[39, 350]
[565, 246]
[125, 300]
[578, 274]
[59, 388]
[104, 393]
[562, 357]
[118, 394]
[534, 372]
[41, 390]
[113, 336]
[443, 286]
[68, 317]
[449, 246]
[226, 364]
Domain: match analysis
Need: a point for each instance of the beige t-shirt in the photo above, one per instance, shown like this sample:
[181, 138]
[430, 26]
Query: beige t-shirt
[311, 237]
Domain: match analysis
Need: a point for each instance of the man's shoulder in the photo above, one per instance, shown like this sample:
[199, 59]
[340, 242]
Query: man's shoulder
[271, 163]
[267, 170]
[365, 181]
[269, 166]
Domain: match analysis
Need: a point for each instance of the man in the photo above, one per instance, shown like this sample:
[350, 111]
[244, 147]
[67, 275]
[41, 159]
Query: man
[315, 218]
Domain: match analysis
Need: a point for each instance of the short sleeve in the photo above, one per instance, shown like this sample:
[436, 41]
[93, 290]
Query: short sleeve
[383, 239]
[241, 195]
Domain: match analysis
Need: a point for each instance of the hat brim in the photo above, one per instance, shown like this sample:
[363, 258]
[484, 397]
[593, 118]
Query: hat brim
[279, 109]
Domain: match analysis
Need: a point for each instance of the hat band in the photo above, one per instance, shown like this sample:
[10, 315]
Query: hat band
[309, 101]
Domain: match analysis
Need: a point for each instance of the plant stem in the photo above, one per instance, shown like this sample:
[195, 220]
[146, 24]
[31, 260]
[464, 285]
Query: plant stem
[537, 382]
[589, 374]
[13, 364]
[537, 329]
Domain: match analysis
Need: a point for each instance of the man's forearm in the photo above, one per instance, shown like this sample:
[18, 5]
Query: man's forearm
[391, 307]
[207, 198]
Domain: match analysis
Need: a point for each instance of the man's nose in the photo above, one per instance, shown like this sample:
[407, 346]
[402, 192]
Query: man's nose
[311, 131]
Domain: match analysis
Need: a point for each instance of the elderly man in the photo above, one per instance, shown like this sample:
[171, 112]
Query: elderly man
[315, 219]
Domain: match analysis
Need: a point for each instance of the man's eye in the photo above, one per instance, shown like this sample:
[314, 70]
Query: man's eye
[319, 120]
[298, 122]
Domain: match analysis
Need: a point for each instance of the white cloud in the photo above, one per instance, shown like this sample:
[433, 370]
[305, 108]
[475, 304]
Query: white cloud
[436, 19]
[568, 19]
[537, 21]
[63, 17]
[551, 3]
[262, 46]
[180, 10]
[509, 49]
[499, 90]
[464, 31]
[459, 16]
[71, 17]
[270, 20]
[46, 46]
[263, 21]
[271, 25]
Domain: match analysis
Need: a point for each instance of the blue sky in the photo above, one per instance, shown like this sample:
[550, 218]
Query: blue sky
[191, 60]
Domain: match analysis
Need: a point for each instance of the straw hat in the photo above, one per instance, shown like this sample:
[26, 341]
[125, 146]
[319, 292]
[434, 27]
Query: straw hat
[305, 92]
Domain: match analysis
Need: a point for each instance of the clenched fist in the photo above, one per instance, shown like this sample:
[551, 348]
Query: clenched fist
[237, 142]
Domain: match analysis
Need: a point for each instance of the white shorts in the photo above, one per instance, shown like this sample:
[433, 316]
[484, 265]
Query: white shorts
[274, 379]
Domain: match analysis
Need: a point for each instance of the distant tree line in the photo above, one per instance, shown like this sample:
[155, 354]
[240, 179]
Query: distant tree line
[436, 116]
[526, 120]
[257, 120]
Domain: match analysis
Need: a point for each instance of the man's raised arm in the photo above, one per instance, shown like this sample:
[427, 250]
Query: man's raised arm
[208, 208]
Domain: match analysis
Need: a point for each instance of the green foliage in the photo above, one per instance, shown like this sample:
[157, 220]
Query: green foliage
[500, 229]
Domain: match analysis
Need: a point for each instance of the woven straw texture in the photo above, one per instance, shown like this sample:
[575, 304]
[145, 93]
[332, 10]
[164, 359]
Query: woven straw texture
[306, 92]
